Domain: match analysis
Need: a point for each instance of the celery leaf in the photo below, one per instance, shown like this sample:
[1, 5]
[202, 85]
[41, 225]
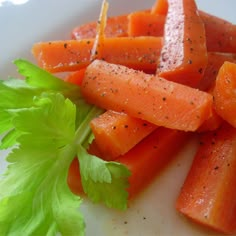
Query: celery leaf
[35, 198]
[104, 181]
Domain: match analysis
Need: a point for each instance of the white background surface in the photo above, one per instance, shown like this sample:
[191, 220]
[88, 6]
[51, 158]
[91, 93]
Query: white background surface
[153, 212]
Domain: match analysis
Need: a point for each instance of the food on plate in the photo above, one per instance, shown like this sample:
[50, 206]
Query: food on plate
[224, 92]
[72, 55]
[151, 98]
[207, 196]
[116, 132]
[183, 56]
[157, 83]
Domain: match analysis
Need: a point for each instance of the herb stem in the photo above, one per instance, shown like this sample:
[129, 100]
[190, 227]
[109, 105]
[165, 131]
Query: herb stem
[84, 130]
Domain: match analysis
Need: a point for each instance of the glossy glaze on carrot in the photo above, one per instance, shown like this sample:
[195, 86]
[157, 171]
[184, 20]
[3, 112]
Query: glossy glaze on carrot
[184, 54]
[145, 96]
[116, 132]
[208, 195]
[72, 55]
[224, 93]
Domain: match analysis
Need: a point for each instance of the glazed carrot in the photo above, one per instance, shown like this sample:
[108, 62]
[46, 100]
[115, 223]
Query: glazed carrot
[184, 55]
[116, 133]
[71, 55]
[74, 178]
[76, 77]
[116, 26]
[224, 93]
[220, 34]
[208, 195]
[61, 56]
[215, 61]
[146, 160]
[148, 97]
[160, 7]
[144, 23]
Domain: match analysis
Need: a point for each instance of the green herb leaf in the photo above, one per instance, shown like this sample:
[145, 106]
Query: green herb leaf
[35, 198]
[104, 181]
[14, 94]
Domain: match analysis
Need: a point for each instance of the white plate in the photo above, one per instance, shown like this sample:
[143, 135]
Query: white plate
[153, 212]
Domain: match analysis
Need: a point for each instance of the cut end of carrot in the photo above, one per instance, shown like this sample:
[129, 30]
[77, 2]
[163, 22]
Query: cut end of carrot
[160, 7]
[224, 93]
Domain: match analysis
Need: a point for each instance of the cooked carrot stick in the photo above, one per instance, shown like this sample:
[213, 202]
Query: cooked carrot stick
[220, 34]
[208, 195]
[145, 23]
[116, 27]
[148, 97]
[160, 7]
[224, 93]
[73, 55]
[184, 55]
[74, 178]
[116, 133]
[215, 61]
[146, 160]
[138, 53]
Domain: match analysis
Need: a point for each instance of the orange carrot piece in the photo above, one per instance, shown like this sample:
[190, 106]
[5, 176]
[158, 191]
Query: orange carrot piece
[59, 56]
[220, 34]
[143, 23]
[76, 77]
[146, 160]
[116, 133]
[184, 55]
[224, 93]
[74, 178]
[62, 56]
[208, 195]
[148, 97]
[116, 26]
[215, 61]
[160, 7]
